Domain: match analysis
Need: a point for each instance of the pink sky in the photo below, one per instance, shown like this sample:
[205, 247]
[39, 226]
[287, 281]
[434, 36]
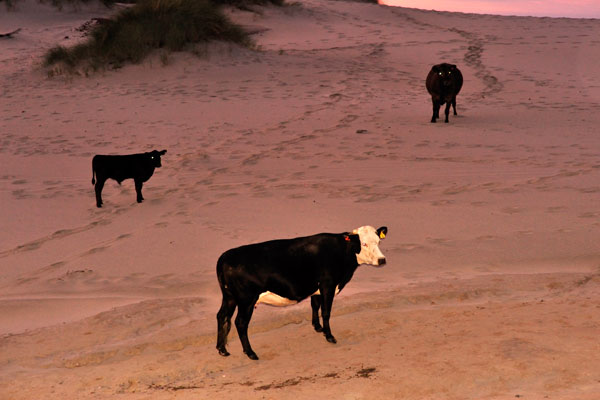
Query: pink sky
[550, 8]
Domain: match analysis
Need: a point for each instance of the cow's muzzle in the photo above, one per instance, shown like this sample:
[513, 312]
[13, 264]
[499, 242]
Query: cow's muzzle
[381, 261]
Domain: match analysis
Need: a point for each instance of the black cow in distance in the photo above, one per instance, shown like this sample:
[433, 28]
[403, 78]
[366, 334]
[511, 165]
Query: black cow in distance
[138, 167]
[444, 82]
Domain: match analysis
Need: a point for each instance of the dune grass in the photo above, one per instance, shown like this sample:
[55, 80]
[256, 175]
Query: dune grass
[135, 32]
[246, 4]
[9, 4]
[60, 4]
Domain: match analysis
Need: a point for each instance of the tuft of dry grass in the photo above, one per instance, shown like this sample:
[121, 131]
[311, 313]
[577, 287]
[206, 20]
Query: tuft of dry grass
[135, 32]
[60, 4]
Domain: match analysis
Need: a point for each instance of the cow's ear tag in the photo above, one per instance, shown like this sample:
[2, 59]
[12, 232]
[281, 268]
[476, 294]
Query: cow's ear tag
[381, 235]
[346, 238]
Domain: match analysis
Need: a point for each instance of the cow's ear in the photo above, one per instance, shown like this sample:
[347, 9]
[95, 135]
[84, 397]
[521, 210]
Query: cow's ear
[381, 232]
[162, 152]
[435, 68]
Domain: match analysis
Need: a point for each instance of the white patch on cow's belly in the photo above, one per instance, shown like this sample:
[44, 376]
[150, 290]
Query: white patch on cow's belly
[337, 290]
[273, 299]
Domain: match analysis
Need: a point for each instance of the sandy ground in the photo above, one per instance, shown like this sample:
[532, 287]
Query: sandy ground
[493, 279]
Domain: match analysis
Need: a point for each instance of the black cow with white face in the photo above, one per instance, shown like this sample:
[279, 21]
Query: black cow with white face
[287, 271]
[138, 167]
[443, 83]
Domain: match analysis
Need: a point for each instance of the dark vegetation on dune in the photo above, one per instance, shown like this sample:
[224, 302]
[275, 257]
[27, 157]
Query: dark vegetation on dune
[171, 25]
[60, 4]
[245, 4]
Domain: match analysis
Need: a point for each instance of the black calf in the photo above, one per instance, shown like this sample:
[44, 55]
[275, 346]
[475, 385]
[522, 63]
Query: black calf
[138, 167]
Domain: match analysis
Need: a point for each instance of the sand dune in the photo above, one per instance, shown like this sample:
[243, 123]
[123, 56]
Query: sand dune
[492, 285]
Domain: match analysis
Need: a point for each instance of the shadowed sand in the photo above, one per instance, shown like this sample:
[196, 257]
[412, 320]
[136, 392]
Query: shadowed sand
[492, 285]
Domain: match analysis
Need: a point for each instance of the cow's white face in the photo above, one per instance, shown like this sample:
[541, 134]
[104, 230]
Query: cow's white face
[369, 245]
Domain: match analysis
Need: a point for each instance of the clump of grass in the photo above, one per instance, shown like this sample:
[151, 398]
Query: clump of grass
[246, 4]
[11, 4]
[148, 25]
[60, 4]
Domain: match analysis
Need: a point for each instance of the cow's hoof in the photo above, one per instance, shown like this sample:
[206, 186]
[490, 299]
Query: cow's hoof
[251, 355]
[318, 328]
[99, 205]
[223, 352]
[331, 339]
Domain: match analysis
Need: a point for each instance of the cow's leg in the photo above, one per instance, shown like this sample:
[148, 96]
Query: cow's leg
[436, 110]
[326, 304]
[98, 189]
[138, 190]
[454, 105]
[447, 111]
[242, 320]
[224, 323]
[315, 302]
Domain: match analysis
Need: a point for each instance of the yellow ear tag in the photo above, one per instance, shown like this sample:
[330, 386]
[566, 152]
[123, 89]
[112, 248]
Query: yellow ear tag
[382, 235]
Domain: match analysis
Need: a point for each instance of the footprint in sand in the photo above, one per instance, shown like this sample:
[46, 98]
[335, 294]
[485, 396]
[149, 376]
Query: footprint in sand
[456, 190]
[94, 250]
[525, 232]
[409, 247]
[442, 203]
[486, 237]
[511, 210]
[589, 214]
[348, 119]
[21, 194]
[440, 241]
[556, 209]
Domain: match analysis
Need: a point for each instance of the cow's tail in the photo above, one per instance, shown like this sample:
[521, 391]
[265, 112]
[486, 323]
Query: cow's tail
[93, 172]
[220, 274]
[224, 284]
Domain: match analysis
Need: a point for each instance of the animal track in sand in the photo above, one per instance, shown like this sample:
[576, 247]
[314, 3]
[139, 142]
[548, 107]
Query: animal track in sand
[409, 247]
[511, 210]
[525, 232]
[440, 241]
[486, 237]
[21, 194]
[556, 209]
[473, 58]
[59, 234]
[453, 190]
[589, 214]
[442, 203]
[94, 250]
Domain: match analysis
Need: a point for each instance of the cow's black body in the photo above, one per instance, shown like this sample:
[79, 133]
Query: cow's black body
[443, 83]
[138, 167]
[291, 268]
